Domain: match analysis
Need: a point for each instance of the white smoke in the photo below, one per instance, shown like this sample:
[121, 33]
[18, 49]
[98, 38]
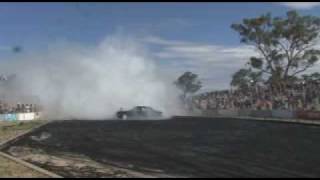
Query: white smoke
[74, 81]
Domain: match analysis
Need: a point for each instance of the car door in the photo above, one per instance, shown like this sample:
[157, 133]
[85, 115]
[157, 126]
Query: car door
[142, 112]
[136, 112]
[150, 112]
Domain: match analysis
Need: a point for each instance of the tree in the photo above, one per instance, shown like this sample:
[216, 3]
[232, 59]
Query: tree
[188, 83]
[314, 77]
[286, 46]
[245, 79]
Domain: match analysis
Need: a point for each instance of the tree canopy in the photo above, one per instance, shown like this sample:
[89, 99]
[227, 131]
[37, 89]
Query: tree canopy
[245, 78]
[188, 83]
[286, 45]
[314, 77]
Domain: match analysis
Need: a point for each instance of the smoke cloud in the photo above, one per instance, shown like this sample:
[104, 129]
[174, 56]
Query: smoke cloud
[72, 81]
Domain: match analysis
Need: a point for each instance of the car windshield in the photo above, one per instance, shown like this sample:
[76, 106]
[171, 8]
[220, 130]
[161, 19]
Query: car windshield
[141, 108]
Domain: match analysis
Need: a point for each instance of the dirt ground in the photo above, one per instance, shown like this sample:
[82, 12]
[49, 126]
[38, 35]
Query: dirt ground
[9, 168]
[179, 147]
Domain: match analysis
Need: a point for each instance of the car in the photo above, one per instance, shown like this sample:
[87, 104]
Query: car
[139, 112]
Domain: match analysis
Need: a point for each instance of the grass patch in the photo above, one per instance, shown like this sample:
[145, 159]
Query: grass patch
[11, 169]
[9, 130]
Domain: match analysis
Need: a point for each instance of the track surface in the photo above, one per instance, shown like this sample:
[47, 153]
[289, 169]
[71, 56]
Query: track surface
[191, 146]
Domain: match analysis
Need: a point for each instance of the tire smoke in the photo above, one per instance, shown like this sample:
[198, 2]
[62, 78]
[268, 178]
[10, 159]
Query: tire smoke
[71, 81]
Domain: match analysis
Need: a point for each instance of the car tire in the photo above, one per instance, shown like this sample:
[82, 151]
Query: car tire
[124, 117]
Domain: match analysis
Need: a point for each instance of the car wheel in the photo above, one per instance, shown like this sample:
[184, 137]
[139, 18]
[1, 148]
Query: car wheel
[124, 117]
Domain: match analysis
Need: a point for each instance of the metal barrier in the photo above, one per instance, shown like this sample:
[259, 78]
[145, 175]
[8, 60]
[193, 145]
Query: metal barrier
[10, 117]
[19, 116]
[228, 112]
[284, 114]
[313, 115]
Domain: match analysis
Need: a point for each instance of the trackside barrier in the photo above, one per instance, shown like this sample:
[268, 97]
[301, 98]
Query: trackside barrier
[283, 114]
[10, 117]
[244, 112]
[261, 113]
[313, 115]
[228, 112]
[280, 114]
[19, 116]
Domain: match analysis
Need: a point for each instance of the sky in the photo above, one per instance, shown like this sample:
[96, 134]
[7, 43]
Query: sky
[180, 36]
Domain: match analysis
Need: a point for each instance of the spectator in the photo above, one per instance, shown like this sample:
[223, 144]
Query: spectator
[297, 96]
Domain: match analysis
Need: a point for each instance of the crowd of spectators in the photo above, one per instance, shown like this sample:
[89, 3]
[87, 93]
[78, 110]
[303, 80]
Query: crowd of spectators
[16, 108]
[300, 96]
